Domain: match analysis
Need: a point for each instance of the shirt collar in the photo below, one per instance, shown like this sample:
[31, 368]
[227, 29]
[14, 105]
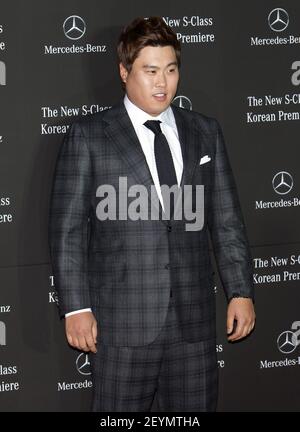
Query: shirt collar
[138, 116]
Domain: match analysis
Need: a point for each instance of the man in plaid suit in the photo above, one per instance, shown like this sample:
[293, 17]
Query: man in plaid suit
[140, 288]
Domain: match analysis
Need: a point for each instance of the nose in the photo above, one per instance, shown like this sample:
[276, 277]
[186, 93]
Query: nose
[161, 80]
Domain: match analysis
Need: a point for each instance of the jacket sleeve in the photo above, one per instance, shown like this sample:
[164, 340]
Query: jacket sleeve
[68, 222]
[227, 227]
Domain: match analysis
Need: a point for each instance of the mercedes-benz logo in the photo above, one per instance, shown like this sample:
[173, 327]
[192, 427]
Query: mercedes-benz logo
[83, 364]
[282, 182]
[183, 102]
[286, 342]
[278, 19]
[74, 27]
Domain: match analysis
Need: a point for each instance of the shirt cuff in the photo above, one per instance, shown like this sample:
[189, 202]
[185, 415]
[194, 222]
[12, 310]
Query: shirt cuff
[78, 311]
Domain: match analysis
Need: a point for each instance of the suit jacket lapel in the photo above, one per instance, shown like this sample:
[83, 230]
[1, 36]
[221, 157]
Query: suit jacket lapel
[122, 134]
[190, 139]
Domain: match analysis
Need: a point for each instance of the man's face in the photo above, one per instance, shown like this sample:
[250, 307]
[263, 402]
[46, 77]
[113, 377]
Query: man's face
[152, 82]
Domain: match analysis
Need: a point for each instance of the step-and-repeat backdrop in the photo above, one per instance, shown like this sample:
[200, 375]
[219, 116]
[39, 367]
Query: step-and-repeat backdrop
[241, 64]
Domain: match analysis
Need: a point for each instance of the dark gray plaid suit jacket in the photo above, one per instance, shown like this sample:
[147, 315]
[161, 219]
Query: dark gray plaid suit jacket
[124, 269]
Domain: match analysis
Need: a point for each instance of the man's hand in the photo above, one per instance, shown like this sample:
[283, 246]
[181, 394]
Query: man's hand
[81, 331]
[242, 310]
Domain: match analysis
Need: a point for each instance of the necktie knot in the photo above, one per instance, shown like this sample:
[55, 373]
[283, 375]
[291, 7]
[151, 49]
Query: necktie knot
[154, 126]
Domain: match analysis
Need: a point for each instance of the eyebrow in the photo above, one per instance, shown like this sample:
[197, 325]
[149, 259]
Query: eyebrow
[147, 66]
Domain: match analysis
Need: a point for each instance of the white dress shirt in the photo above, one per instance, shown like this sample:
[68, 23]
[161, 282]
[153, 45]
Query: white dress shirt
[146, 138]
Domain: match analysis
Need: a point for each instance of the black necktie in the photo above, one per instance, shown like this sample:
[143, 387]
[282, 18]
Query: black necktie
[164, 161]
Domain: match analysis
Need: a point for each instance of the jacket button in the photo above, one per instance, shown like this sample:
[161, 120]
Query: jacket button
[171, 294]
[169, 228]
[167, 266]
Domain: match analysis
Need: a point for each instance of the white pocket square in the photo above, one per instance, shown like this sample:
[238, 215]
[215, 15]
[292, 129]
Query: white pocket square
[204, 160]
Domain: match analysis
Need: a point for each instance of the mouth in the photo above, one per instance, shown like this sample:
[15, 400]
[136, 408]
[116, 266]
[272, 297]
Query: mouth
[161, 97]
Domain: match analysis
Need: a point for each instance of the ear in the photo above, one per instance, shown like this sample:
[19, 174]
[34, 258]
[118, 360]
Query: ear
[123, 72]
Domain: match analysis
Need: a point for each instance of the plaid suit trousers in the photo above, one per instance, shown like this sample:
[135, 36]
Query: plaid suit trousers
[181, 376]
